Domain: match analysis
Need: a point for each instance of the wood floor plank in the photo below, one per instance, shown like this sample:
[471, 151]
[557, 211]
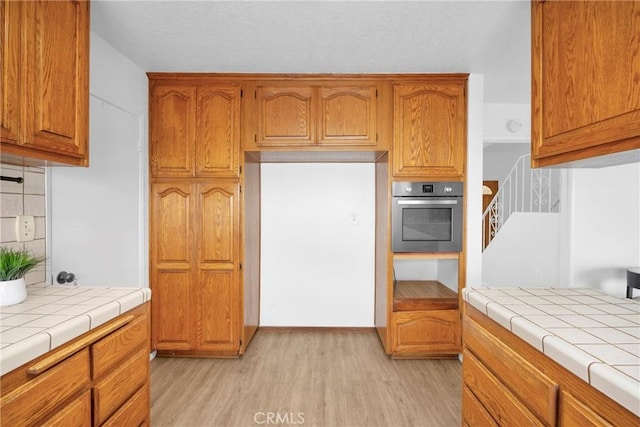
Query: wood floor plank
[310, 378]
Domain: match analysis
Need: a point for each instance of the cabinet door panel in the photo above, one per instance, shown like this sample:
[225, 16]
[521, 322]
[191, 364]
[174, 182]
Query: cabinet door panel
[171, 232]
[285, 116]
[172, 130]
[572, 412]
[218, 217]
[429, 130]
[218, 130]
[55, 75]
[432, 331]
[171, 265]
[77, 413]
[585, 93]
[531, 386]
[218, 311]
[348, 115]
[10, 49]
[502, 406]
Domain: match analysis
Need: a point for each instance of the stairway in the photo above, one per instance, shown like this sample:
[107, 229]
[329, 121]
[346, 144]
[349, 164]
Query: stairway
[524, 190]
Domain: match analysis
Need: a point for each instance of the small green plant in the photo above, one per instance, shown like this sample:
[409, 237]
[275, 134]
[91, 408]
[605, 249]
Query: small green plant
[15, 263]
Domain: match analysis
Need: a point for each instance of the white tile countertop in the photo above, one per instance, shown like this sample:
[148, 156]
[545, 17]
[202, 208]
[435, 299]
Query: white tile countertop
[593, 335]
[54, 315]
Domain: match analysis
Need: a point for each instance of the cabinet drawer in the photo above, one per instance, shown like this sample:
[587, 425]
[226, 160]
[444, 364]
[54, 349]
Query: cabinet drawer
[75, 414]
[134, 412]
[25, 405]
[473, 413]
[114, 390]
[496, 398]
[572, 412]
[111, 350]
[432, 331]
[526, 382]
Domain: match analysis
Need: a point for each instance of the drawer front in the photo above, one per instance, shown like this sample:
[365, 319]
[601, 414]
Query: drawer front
[26, 405]
[499, 402]
[111, 350]
[473, 413]
[572, 412]
[530, 385]
[134, 412]
[75, 414]
[114, 390]
[433, 331]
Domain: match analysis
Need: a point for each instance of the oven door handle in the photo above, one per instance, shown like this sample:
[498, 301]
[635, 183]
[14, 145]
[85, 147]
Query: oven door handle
[427, 202]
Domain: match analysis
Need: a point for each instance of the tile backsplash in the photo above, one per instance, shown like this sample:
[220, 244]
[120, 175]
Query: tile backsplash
[26, 198]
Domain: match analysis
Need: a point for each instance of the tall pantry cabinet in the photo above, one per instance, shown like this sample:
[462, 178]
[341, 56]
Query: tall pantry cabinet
[195, 217]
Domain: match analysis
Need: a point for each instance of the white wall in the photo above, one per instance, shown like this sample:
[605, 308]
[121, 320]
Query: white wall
[498, 117]
[604, 215]
[526, 252]
[98, 215]
[475, 94]
[317, 244]
[498, 159]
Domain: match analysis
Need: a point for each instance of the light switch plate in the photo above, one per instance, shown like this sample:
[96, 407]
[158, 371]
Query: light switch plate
[25, 228]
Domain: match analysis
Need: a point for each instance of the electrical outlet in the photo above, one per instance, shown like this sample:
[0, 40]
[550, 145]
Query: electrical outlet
[25, 228]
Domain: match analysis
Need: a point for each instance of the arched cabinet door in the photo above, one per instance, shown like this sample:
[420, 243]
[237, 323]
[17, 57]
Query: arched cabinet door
[218, 289]
[348, 115]
[286, 116]
[172, 284]
[218, 130]
[430, 129]
[172, 118]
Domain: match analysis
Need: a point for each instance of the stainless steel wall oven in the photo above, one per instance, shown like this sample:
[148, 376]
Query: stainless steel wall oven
[426, 217]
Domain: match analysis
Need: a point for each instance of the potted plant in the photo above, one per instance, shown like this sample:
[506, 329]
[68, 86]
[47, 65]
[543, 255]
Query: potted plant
[14, 265]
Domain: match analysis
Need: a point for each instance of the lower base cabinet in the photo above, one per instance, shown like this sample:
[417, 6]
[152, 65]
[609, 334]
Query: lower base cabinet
[507, 382]
[100, 378]
[425, 333]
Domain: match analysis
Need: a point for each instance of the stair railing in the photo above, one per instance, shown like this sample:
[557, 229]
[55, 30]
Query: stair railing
[523, 190]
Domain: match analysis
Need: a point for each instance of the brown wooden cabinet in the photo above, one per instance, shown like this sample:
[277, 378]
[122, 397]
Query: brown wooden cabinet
[94, 380]
[195, 267]
[585, 93]
[45, 82]
[195, 130]
[298, 114]
[426, 332]
[429, 135]
[538, 392]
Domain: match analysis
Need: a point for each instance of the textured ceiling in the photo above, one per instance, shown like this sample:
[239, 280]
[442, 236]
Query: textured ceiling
[490, 38]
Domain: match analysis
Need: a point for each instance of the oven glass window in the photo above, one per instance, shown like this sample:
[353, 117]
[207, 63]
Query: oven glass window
[426, 224]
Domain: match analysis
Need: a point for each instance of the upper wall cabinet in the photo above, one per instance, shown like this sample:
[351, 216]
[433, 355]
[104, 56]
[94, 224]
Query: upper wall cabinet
[195, 130]
[586, 82]
[429, 121]
[323, 114]
[44, 77]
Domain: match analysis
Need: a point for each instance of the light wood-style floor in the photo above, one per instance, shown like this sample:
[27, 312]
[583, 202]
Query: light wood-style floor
[310, 378]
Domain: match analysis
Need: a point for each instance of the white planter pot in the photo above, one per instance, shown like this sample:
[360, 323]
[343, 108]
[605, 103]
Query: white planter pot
[12, 292]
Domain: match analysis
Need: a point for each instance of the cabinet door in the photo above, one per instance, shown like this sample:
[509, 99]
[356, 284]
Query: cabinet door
[218, 130]
[172, 119]
[586, 67]
[429, 130]
[218, 293]
[348, 115]
[572, 412]
[431, 331]
[10, 48]
[55, 76]
[285, 116]
[171, 265]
